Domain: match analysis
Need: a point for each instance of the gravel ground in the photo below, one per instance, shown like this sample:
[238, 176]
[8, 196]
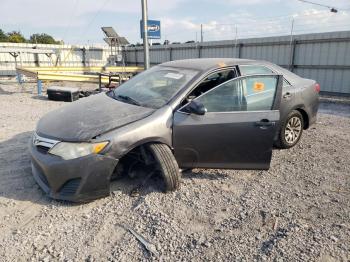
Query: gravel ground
[298, 210]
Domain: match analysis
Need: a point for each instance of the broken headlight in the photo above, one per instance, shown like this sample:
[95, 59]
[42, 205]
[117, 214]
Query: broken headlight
[74, 150]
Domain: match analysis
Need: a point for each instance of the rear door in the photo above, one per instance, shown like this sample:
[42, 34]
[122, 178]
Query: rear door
[238, 128]
[288, 91]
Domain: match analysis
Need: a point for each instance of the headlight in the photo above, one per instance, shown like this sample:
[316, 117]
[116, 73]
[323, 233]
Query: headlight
[74, 150]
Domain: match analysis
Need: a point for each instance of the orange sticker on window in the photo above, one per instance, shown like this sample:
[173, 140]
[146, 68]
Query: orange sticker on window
[258, 87]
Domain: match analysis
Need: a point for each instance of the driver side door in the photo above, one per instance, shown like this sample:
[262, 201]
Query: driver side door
[237, 129]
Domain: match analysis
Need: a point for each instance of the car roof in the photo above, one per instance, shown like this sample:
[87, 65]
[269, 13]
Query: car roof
[205, 64]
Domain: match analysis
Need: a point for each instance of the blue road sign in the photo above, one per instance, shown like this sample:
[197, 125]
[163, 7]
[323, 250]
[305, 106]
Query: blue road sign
[153, 29]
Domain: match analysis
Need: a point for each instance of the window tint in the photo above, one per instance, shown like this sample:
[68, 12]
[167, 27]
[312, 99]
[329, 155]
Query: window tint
[252, 93]
[254, 70]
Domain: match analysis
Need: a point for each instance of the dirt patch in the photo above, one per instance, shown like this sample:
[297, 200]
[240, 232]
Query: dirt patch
[297, 210]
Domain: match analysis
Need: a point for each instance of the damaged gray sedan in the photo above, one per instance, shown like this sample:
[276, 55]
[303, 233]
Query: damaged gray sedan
[206, 113]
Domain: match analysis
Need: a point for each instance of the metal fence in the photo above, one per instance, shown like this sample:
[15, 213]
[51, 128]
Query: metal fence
[324, 57]
[13, 54]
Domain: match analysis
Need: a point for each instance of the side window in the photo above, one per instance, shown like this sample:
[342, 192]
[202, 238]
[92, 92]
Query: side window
[254, 70]
[257, 70]
[251, 93]
[260, 92]
[225, 98]
[213, 80]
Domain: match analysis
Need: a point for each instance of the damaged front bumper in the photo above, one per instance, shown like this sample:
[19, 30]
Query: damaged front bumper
[79, 180]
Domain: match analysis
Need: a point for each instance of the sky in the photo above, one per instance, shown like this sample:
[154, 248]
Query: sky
[80, 21]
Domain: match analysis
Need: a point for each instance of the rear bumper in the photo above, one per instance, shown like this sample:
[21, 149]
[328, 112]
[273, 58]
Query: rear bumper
[78, 180]
[313, 112]
[312, 120]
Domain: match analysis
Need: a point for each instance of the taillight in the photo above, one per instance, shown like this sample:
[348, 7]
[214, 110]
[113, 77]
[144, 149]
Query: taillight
[317, 87]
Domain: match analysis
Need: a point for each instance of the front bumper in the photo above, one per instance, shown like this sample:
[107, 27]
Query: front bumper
[78, 180]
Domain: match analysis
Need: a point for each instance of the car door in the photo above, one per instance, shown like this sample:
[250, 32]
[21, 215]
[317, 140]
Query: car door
[238, 128]
[288, 91]
[288, 99]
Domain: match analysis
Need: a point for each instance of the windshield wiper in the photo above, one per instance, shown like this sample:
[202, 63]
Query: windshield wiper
[129, 99]
[124, 98]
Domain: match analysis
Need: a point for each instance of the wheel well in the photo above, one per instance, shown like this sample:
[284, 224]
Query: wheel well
[305, 117]
[137, 154]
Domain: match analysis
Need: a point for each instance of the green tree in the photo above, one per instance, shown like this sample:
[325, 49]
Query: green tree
[3, 36]
[43, 39]
[16, 37]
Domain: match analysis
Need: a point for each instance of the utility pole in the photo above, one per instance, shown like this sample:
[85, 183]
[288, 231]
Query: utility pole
[291, 47]
[145, 35]
[201, 33]
[291, 32]
[236, 36]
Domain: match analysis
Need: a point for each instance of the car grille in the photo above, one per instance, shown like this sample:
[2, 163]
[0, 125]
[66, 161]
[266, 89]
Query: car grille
[43, 149]
[43, 144]
[70, 187]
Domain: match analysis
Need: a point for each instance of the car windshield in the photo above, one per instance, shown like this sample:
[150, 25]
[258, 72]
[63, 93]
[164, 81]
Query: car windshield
[153, 88]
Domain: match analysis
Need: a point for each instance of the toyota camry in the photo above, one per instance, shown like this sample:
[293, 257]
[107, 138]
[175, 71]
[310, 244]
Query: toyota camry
[196, 113]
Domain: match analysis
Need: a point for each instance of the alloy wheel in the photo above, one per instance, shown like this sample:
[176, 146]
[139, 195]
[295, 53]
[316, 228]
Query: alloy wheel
[293, 130]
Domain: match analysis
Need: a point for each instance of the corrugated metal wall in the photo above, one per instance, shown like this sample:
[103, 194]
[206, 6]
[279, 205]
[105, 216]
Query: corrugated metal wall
[68, 56]
[324, 57]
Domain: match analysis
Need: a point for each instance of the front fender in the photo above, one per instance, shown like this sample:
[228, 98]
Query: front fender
[154, 128]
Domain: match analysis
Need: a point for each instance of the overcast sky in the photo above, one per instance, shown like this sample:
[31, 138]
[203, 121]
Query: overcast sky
[79, 21]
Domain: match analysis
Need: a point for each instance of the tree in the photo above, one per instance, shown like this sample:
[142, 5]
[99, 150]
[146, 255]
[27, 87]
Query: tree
[42, 39]
[16, 37]
[3, 36]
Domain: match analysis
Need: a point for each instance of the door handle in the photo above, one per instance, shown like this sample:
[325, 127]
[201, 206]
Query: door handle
[287, 95]
[264, 123]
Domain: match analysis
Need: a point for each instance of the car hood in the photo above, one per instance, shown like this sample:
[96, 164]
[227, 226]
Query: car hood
[86, 118]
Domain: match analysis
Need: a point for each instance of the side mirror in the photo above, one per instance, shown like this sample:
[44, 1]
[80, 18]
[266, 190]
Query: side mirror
[196, 108]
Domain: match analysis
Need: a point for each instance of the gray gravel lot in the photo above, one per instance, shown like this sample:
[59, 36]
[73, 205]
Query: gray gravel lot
[299, 210]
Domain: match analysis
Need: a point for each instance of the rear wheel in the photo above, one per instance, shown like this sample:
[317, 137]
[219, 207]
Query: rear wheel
[167, 165]
[291, 130]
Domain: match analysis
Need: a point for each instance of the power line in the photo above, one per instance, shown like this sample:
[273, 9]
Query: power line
[87, 27]
[332, 9]
[345, 26]
[263, 30]
[268, 29]
[313, 3]
[268, 19]
[67, 29]
[271, 25]
[276, 26]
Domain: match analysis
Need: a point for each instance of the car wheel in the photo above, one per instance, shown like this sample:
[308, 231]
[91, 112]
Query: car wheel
[167, 165]
[291, 130]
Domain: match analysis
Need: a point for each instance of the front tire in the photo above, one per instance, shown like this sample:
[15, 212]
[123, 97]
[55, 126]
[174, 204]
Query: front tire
[291, 130]
[167, 165]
